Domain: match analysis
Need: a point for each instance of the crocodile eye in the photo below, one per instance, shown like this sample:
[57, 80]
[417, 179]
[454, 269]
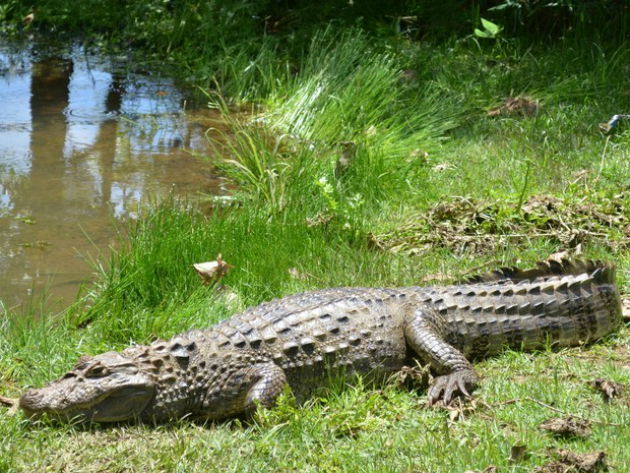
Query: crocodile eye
[96, 371]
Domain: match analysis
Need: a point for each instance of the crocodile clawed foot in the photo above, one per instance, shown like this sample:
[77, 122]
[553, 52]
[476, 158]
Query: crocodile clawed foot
[446, 387]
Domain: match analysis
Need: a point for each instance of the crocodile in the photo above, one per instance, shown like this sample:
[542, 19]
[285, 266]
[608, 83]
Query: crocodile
[299, 342]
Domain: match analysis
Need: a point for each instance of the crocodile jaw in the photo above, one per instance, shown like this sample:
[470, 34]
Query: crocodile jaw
[106, 388]
[121, 404]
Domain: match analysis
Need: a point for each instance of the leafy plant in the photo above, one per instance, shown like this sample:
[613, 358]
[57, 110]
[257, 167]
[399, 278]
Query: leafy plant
[490, 30]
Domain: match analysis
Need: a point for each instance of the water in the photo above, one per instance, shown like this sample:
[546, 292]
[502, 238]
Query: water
[83, 144]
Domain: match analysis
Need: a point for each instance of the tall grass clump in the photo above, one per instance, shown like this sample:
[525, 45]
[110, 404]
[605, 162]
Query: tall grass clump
[346, 89]
[264, 166]
[347, 101]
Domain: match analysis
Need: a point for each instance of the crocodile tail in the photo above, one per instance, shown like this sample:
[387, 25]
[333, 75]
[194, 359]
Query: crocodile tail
[599, 271]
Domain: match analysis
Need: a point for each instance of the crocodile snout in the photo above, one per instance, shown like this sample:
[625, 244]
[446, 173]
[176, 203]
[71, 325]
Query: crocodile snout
[31, 402]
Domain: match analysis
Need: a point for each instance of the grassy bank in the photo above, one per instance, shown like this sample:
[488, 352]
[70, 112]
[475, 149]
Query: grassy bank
[365, 162]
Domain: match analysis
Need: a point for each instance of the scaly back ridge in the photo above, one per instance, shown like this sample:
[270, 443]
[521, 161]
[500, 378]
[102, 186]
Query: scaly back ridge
[599, 271]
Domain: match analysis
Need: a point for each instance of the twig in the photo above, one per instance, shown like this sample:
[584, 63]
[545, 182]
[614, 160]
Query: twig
[601, 162]
[521, 197]
[555, 409]
[566, 227]
[519, 235]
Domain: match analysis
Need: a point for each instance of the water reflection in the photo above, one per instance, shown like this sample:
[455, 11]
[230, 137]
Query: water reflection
[82, 143]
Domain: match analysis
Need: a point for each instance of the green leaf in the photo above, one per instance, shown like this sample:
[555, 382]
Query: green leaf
[482, 34]
[490, 27]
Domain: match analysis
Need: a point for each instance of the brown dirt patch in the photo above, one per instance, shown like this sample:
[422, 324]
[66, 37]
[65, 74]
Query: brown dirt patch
[567, 427]
[608, 389]
[571, 462]
[474, 226]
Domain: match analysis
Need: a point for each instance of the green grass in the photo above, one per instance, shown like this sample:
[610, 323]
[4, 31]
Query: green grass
[357, 429]
[296, 224]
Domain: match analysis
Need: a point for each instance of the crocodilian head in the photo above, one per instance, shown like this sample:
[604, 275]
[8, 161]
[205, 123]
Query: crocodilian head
[109, 387]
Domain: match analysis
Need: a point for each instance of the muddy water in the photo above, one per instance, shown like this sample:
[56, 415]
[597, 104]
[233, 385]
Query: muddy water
[83, 145]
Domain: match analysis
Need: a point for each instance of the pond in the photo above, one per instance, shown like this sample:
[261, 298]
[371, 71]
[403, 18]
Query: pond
[84, 144]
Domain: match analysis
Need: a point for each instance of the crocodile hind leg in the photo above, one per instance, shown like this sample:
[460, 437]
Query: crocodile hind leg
[456, 375]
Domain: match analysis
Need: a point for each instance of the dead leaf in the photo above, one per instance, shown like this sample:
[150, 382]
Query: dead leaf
[319, 219]
[625, 308]
[442, 167]
[518, 453]
[297, 274]
[455, 414]
[609, 389]
[212, 271]
[523, 106]
[567, 426]
[417, 377]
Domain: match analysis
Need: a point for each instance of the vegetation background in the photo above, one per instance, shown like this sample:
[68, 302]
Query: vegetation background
[374, 143]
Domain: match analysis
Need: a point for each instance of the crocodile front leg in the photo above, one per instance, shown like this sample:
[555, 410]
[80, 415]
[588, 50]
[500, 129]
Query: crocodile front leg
[425, 339]
[240, 391]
